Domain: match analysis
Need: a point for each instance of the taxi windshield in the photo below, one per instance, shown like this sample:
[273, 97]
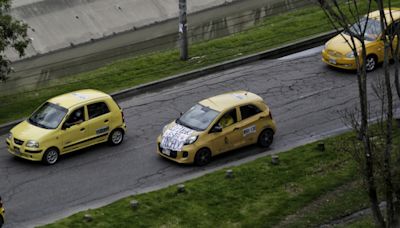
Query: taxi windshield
[372, 30]
[198, 117]
[48, 116]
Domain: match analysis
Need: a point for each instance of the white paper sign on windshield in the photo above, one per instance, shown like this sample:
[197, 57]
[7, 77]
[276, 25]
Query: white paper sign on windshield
[175, 137]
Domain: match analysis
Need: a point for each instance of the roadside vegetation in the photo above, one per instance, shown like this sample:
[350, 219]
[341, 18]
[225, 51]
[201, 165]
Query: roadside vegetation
[308, 188]
[272, 32]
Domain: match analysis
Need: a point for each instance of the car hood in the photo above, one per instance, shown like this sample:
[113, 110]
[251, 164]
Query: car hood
[26, 131]
[339, 44]
[174, 136]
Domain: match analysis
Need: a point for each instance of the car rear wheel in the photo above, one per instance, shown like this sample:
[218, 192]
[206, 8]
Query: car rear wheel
[1, 221]
[116, 137]
[50, 157]
[203, 157]
[266, 138]
[370, 63]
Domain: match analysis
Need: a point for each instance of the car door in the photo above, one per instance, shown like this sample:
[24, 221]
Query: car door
[75, 131]
[99, 117]
[251, 123]
[230, 136]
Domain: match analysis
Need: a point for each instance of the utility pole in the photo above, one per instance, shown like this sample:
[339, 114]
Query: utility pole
[183, 30]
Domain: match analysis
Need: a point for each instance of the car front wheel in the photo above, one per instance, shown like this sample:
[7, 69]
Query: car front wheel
[266, 138]
[203, 157]
[50, 157]
[116, 137]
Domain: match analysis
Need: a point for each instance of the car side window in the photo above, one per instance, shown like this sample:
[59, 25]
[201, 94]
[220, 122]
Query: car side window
[248, 111]
[97, 109]
[228, 118]
[76, 116]
[392, 29]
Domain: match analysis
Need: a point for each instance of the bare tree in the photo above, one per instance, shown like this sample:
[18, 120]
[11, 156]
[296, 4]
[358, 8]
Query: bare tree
[347, 17]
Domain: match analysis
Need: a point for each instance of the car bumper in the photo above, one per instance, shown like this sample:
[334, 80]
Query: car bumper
[343, 63]
[186, 156]
[32, 154]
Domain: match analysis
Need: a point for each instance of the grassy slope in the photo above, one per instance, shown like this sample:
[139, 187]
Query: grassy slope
[307, 188]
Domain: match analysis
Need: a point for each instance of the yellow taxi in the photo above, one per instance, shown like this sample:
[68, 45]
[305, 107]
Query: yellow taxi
[2, 211]
[338, 53]
[67, 123]
[217, 125]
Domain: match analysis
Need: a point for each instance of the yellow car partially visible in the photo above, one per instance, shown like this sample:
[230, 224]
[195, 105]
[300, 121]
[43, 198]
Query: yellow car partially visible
[338, 53]
[67, 123]
[2, 212]
[217, 125]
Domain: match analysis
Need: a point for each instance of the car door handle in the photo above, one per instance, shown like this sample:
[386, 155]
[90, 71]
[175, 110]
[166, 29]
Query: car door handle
[236, 128]
[105, 121]
[262, 117]
[82, 129]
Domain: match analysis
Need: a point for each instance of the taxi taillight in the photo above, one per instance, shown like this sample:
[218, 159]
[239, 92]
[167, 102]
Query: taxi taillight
[123, 117]
[270, 114]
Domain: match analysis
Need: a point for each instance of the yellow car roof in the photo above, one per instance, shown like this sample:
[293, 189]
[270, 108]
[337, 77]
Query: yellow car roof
[229, 100]
[395, 14]
[71, 99]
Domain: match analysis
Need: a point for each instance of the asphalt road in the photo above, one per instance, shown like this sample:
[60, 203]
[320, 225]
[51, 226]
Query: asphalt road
[303, 94]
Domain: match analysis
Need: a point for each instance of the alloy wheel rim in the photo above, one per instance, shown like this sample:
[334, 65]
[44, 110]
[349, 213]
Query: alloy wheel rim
[267, 138]
[204, 157]
[370, 64]
[116, 137]
[52, 157]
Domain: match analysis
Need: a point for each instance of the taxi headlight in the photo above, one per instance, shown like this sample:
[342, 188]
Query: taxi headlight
[165, 128]
[350, 54]
[32, 144]
[191, 140]
[9, 136]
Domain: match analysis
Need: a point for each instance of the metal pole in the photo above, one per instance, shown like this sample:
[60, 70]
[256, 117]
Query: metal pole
[183, 30]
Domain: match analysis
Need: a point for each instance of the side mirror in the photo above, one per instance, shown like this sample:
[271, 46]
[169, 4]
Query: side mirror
[66, 125]
[216, 128]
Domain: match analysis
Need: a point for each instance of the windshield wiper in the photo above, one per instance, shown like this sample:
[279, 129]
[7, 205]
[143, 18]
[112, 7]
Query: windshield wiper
[37, 124]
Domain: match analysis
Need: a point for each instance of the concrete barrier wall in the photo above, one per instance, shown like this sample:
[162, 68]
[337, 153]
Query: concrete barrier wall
[56, 24]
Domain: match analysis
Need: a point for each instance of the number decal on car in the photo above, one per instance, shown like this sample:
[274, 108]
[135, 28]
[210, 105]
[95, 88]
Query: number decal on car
[102, 130]
[249, 130]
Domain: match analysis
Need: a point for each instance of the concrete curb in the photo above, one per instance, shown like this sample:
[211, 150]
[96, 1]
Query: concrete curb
[163, 83]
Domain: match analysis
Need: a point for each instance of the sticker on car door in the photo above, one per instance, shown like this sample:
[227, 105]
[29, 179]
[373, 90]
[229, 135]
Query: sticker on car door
[249, 130]
[102, 130]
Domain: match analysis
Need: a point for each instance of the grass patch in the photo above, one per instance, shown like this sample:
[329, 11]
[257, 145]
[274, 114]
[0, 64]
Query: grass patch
[272, 32]
[307, 188]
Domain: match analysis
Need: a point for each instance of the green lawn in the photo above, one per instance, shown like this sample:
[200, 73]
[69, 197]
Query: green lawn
[272, 32]
[306, 189]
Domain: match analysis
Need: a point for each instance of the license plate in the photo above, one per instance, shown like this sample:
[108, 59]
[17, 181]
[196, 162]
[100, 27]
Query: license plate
[332, 61]
[166, 152]
[16, 150]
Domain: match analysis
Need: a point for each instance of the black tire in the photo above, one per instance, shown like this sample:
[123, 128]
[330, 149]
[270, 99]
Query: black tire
[370, 63]
[116, 137]
[203, 157]
[1, 221]
[51, 156]
[266, 138]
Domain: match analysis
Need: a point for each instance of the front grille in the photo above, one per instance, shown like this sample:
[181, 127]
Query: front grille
[18, 142]
[32, 151]
[172, 154]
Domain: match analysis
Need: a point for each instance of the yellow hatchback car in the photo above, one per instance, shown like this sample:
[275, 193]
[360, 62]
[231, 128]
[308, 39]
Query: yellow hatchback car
[217, 125]
[67, 123]
[338, 53]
